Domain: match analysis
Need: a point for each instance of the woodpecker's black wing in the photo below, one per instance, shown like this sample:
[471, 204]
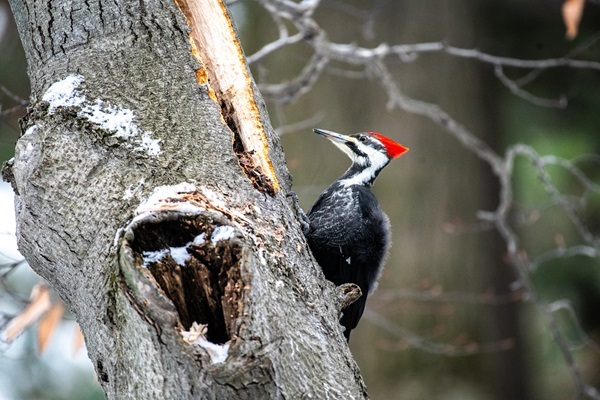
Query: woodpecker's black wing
[349, 239]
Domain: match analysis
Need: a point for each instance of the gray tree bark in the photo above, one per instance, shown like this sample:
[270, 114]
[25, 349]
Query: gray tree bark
[123, 102]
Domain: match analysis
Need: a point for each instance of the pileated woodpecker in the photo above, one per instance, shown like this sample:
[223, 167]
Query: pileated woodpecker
[347, 231]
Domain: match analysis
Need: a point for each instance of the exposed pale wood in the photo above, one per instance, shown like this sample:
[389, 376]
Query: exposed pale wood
[225, 72]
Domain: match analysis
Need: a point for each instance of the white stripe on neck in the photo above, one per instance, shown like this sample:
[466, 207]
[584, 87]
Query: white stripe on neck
[378, 161]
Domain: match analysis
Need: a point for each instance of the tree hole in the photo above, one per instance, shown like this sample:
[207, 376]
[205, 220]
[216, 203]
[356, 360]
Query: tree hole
[196, 263]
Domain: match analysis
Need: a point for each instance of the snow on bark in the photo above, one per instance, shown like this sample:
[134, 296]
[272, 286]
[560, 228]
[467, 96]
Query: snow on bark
[161, 194]
[115, 119]
[224, 232]
[182, 253]
[63, 93]
[196, 337]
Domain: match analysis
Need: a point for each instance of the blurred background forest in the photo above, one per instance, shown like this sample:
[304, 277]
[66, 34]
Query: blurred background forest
[453, 318]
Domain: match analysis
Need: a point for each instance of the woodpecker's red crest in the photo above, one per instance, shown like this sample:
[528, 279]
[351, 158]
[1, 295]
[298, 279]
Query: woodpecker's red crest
[394, 149]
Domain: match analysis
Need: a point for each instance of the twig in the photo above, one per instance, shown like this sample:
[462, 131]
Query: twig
[416, 341]
[564, 252]
[22, 102]
[274, 46]
[516, 90]
[435, 296]
[288, 92]
[301, 125]
[437, 115]
[553, 192]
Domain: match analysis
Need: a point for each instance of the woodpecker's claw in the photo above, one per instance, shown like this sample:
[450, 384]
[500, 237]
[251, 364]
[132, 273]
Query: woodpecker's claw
[304, 221]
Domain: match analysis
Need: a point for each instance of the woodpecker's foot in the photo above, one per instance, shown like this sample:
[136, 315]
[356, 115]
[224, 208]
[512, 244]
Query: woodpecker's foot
[304, 221]
[347, 294]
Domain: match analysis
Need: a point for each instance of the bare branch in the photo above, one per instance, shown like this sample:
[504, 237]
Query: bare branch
[564, 252]
[301, 125]
[571, 166]
[355, 54]
[437, 115]
[288, 92]
[22, 102]
[274, 46]
[519, 63]
[414, 340]
[300, 14]
[518, 91]
[438, 296]
[553, 192]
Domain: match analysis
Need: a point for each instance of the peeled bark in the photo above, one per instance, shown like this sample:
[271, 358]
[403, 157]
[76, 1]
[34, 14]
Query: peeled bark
[126, 104]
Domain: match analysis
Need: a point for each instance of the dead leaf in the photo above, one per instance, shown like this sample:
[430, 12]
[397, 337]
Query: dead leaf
[77, 340]
[39, 304]
[48, 324]
[571, 13]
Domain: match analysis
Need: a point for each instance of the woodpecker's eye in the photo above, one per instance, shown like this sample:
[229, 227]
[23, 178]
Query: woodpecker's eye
[362, 138]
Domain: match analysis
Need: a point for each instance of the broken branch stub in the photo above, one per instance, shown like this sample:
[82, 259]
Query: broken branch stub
[347, 293]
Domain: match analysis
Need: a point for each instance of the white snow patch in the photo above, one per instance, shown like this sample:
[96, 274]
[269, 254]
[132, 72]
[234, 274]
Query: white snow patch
[218, 352]
[112, 118]
[140, 217]
[120, 121]
[200, 239]
[30, 130]
[62, 93]
[196, 336]
[188, 208]
[180, 254]
[153, 256]
[130, 192]
[224, 232]
[182, 207]
[162, 193]
[149, 145]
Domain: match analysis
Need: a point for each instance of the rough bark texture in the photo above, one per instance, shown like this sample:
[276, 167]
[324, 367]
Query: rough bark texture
[79, 181]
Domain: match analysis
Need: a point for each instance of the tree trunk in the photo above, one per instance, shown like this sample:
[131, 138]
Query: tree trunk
[151, 193]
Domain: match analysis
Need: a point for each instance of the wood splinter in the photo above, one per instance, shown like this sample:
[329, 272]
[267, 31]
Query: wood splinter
[225, 73]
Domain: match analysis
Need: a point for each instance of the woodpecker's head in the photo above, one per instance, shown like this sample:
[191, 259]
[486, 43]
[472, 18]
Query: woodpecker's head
[370, 152]
[366, 146]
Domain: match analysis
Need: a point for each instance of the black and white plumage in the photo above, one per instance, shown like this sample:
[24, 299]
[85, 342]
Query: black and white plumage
[348, 232]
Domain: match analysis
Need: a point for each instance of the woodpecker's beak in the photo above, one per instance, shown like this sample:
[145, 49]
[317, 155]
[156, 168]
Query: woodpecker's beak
[340, 141]
[334, 137]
